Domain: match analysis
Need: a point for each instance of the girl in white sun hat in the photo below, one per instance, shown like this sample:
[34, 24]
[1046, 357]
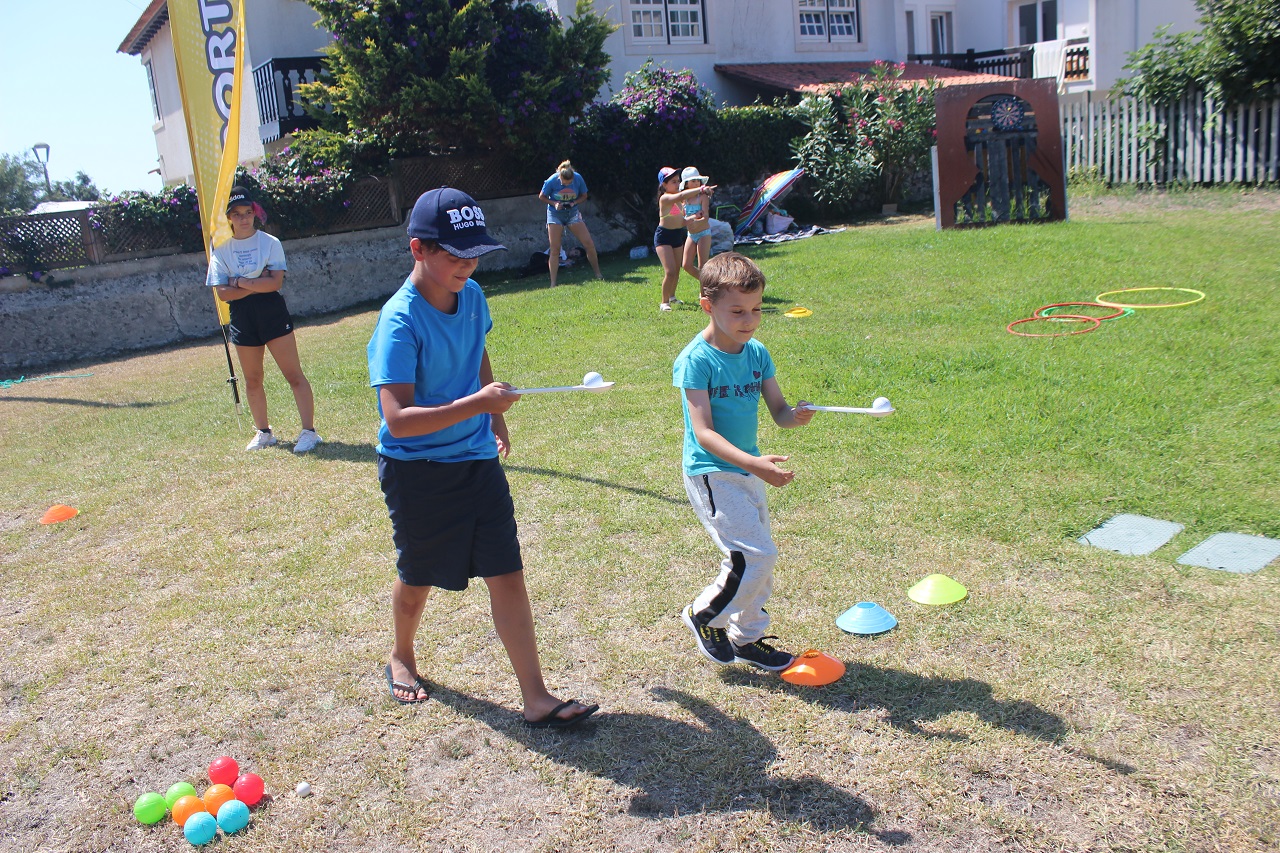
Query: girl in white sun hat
[697, 219]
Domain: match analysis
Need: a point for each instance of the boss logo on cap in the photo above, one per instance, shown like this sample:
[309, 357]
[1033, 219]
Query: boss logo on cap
[466, 217]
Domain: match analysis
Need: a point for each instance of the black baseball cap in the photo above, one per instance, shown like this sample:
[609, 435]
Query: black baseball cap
[453, 220]
[239, 195]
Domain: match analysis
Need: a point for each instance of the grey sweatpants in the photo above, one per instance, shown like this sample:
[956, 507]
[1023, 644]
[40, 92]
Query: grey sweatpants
[733, 509]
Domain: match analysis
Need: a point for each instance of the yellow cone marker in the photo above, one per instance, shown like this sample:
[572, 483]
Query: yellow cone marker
[937, 589]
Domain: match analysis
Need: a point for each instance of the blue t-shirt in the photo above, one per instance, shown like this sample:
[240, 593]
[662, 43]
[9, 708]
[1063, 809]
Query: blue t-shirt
[553, 189]
[732, 381]
[440, 355]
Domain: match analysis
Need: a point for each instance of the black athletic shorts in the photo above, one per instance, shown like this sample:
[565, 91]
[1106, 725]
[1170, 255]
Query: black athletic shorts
[450, 521]
[673, 237]
[259, 318]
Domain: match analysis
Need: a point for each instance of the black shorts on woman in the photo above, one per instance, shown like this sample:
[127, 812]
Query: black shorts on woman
[258, 319]
[450, 521]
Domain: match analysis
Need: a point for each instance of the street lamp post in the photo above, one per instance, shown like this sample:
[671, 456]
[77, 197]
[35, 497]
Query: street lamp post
[41, 150]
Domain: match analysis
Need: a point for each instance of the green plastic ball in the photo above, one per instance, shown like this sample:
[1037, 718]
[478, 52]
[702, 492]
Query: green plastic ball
[150, 808]
[178, 791]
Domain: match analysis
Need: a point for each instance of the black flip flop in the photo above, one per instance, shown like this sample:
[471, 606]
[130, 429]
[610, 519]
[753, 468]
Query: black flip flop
[551, 721]
[418, 684]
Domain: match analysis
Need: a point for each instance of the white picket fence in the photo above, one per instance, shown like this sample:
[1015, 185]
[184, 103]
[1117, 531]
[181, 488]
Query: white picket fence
[1129, 141]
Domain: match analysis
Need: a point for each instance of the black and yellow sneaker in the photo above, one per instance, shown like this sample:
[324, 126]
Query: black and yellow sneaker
[712, 642]
[763, 655]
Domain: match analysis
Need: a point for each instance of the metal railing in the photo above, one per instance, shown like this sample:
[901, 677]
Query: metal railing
[276, 81]
[1007, 62]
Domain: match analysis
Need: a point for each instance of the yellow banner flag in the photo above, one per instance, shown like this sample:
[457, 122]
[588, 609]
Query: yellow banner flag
[208, 36]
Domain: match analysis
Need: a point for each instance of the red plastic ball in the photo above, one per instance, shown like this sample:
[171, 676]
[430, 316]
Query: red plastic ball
[223, 771]
[249, 788]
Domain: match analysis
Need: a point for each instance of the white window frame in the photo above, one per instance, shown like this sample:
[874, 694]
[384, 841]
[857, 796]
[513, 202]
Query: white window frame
[828, 22]
[1015, 9]
[910, 25]
[666, 22]
[156, 116]
[945, 20]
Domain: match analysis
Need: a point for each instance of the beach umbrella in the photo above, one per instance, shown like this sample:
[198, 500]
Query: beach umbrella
[772, 190]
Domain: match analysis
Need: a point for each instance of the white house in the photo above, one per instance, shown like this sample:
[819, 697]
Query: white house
[283, 45]
[740, 49]
[719, 40]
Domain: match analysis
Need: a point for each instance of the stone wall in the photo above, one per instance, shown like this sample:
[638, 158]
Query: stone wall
[122, 307]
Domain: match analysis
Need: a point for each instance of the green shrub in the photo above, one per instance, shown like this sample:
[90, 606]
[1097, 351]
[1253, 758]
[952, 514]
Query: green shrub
[435, 76]
[876, 129]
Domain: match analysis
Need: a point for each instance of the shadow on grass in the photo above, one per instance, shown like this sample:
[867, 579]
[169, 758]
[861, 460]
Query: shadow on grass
[909, 700]
[548, 472]
[681, 767]
[344, 452]
[73, 401]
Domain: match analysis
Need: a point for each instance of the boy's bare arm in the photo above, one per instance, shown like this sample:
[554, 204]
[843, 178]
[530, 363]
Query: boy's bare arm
[765, 467]
[497, 419]
[784, 415]
[404, 418]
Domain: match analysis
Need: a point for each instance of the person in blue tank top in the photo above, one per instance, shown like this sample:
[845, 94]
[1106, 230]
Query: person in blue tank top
[442, 431]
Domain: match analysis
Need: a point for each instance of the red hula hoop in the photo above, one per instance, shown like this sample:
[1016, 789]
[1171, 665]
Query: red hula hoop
[1096, 323]
[1038, 316]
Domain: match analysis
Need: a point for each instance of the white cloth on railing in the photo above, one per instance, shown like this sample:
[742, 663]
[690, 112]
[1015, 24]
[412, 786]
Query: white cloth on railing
[1050, 60]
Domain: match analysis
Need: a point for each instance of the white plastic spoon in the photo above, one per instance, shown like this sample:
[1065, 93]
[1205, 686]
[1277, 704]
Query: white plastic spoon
[591, 382]
[879, 408]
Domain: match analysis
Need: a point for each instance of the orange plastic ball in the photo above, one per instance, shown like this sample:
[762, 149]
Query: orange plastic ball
[223, 770]
[215, 796]
[185, 807]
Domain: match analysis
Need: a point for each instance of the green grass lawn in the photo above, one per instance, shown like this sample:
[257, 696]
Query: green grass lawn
[208, 601]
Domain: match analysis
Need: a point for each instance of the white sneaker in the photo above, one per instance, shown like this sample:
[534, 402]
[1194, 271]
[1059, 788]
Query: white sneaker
[262, 438]
[664, 306]
[307, 441]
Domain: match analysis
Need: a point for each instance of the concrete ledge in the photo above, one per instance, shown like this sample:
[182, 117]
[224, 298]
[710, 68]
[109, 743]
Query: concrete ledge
[133, 305]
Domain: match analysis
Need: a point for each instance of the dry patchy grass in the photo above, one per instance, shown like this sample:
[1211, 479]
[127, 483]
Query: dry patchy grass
[208, 601]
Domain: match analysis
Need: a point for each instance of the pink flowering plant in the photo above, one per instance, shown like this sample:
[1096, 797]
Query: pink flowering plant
[877, 130]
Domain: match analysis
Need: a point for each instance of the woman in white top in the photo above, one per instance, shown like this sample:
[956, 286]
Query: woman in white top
[247, 272]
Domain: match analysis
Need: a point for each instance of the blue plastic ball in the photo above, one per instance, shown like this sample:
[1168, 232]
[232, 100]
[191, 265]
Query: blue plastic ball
[233, 816]
[200, 828]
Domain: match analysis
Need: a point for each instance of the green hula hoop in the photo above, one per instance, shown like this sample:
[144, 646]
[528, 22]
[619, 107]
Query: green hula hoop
[1100, 298]
[1050, 310]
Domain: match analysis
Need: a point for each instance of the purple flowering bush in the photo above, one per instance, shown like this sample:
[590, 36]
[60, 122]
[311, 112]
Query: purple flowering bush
[658, 117]
[170, 217]
[877, 132]
[301, 193]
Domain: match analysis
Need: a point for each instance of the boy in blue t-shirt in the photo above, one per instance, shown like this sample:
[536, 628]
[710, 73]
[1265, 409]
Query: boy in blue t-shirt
[442, 430]
[723, 372]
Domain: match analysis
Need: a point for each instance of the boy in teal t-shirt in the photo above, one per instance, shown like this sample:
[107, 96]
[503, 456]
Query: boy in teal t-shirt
[723, 373]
